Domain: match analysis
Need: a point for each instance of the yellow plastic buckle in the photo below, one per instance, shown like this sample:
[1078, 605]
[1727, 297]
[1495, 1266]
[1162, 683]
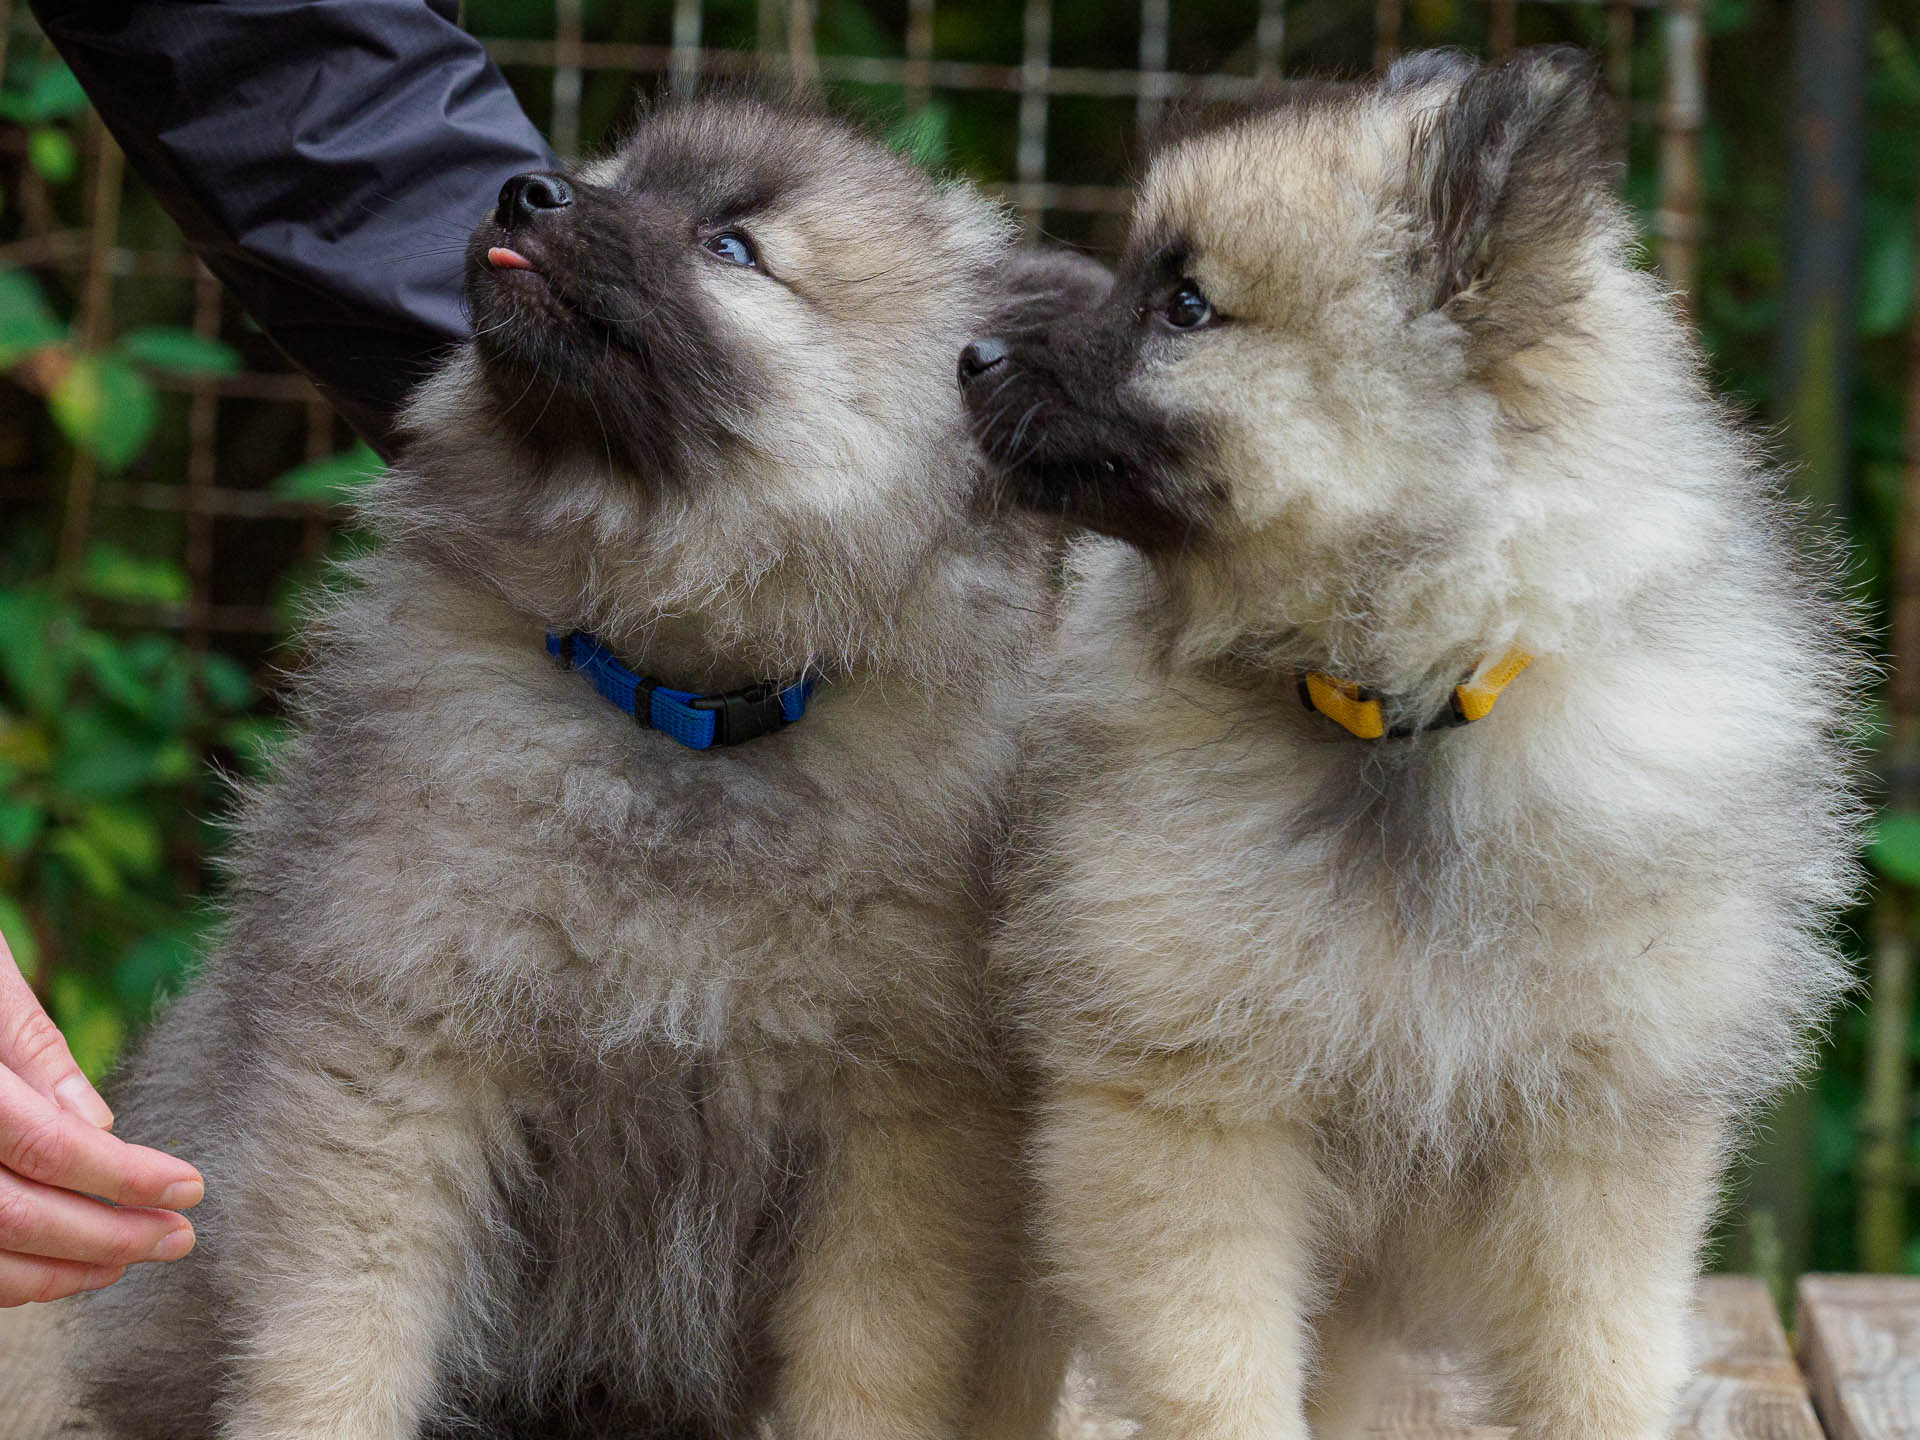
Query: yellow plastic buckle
[1358, 711]
[1474, 699]
[1344, 703]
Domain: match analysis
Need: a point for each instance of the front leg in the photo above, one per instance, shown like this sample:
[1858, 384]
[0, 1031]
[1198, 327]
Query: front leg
[1356, 1363]
[1578, 1278]
[1185, 1244]
[878, 1331]
[1021, 1374]
[348, 1214]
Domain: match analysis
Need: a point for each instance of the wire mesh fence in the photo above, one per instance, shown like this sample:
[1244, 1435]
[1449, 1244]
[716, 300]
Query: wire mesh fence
[1077, 129]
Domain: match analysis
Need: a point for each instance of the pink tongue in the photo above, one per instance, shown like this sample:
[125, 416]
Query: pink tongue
[502, 258]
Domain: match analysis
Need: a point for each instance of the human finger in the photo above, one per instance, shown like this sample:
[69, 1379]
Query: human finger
[55, 1224]
[32, 1046]
[25, 1279]
[44, 1142]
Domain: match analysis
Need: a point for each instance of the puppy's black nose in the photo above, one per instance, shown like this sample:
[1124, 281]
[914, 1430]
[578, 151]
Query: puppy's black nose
[525, 196]
[979, 357]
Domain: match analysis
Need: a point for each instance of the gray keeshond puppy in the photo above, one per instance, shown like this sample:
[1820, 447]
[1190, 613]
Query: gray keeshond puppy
[554, 1077]
[1426, 1010]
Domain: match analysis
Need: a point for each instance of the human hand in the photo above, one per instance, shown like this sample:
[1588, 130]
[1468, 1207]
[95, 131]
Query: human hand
[56, 1155]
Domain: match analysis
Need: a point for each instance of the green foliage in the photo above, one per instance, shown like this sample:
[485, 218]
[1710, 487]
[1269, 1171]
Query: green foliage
[104, 739]
[112, 574]
[103, 403]
[106, 406]
[52, 152]
[48, 94]
[1895, 847]
[26, 322]
[923, 136]
[182, 352]
[333, 479]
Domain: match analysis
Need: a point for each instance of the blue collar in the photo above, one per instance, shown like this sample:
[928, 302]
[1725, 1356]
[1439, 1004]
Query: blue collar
[699, 722]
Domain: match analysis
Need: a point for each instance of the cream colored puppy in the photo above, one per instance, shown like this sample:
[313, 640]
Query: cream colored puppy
[1427, 1009]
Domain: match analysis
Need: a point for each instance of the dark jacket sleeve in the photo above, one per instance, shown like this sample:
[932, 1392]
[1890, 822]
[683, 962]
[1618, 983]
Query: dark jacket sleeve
[326, 158]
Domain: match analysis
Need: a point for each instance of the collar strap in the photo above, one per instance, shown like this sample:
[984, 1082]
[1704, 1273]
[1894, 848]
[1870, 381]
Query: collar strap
[699, 722]
[1358, 711]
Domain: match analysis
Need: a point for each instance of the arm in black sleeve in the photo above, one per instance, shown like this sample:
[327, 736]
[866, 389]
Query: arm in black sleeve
[326, 158]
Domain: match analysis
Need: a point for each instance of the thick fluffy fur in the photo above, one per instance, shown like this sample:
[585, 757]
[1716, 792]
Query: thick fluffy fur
[555, 1079]
[1447, 1037]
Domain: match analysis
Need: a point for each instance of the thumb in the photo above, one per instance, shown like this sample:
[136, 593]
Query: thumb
[32, 1046]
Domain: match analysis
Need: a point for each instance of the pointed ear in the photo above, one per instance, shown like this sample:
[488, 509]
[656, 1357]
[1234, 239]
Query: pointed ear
[1443, 66]
[1513, 175]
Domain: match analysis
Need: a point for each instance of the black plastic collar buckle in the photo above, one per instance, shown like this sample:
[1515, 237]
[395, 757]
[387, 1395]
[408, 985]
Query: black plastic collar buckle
[743, 715]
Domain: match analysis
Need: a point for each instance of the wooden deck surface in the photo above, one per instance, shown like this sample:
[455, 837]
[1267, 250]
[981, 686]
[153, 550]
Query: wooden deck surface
[1857, 1377]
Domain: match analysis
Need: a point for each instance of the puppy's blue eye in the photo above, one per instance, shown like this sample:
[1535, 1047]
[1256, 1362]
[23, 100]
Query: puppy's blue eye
[1188, 309]
[733, 247]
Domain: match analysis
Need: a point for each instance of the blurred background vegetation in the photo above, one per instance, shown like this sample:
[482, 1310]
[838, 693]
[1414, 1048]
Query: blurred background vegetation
[167, 489]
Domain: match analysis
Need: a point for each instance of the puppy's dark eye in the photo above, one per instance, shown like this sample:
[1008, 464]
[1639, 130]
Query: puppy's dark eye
[733, 247]
[1188, 309]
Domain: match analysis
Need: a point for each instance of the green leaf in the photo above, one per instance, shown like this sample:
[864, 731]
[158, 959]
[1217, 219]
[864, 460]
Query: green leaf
[106, 406]
[167, 347]
[25, 746]
[20, 824]
[1895, 70]
[93, 866]
[332, 479]
[126, 837]
[255, 739]
[170, 707]
[98, 759]
[1728, 17]
[923, 136]
[151, 654]
[226, 682]
[1886, 275]
[52, 93]
[173, 762]
[89, 1019]
[112, 574]
[52, 153]
[114, 673]
[35, 658]
[1895, 846]
[26, 324]
[20, 296]
[19, 936]
[154, 963]
[56, 92]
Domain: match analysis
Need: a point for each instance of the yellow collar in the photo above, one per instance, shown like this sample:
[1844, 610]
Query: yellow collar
[1358, 711]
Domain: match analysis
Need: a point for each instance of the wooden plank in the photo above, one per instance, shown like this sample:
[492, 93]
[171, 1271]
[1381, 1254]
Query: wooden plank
[1428, 1400]
[1860, 1347]
[1745, 1385]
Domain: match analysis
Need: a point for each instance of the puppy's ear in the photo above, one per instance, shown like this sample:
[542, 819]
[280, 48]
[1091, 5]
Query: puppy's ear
[1429, 67]
[1511, 174]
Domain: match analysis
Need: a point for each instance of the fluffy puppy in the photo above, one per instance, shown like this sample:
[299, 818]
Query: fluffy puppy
[554, 1077]
[1428, 1008]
